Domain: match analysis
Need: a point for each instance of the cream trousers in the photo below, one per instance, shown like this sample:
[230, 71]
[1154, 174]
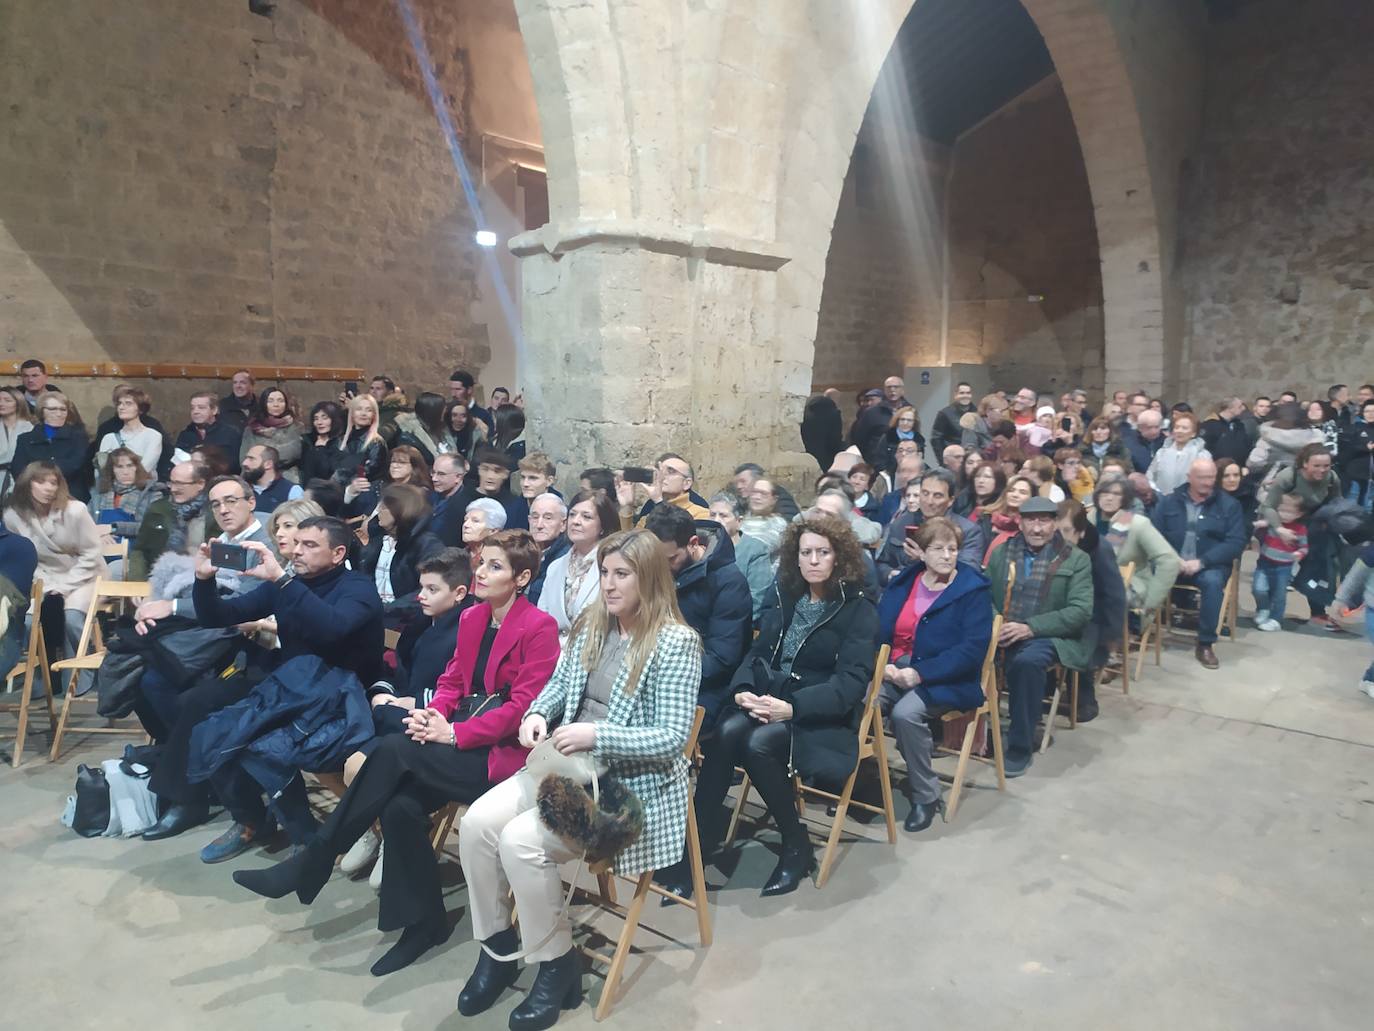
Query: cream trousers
[505, 847]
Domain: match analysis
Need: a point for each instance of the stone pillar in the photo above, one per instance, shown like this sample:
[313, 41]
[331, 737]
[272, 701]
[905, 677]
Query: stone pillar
[642, 341]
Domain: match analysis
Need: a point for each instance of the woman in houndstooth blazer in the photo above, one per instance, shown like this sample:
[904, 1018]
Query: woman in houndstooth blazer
[625, 690]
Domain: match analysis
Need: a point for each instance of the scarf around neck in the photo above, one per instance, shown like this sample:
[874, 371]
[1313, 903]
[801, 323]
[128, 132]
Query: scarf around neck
[1030, 594]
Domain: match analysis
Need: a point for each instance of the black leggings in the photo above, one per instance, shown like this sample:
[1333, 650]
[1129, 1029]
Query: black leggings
[401, 783]
[762, 749]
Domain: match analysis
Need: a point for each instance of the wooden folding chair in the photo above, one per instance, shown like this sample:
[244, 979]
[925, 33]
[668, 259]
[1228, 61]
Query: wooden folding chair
[872, 745]
[1227, 618]
[1063, 677]
[90, 652]
[644, 887]
[1127, 572]
[35, 658]
[444, 821]
[986, 713]
[116, 551]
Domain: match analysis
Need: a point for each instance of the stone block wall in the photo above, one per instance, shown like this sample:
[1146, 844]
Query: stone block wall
[188, 180]
[1279, 221]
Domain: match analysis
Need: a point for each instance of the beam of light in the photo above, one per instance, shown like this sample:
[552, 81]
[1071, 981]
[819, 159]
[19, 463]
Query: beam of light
[905, 173]
[416, 37]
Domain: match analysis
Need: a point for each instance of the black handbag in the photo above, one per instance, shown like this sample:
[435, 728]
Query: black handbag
[92, 802]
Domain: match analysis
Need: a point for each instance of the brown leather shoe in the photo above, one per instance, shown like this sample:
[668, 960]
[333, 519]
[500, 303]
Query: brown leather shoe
[1206, 656]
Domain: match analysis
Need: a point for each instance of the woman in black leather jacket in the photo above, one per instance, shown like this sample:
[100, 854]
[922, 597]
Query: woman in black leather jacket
[398, 540]
[798, 695]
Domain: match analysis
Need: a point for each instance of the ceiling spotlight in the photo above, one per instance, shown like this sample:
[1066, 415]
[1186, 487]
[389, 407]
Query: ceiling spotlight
[485, 238]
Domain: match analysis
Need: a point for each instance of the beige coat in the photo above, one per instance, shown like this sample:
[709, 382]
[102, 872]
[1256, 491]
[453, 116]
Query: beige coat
[68, 544]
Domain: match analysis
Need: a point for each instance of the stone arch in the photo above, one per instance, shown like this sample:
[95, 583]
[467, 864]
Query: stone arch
[696, 156]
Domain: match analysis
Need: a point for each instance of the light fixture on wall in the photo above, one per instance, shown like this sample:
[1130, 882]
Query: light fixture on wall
[485, 238]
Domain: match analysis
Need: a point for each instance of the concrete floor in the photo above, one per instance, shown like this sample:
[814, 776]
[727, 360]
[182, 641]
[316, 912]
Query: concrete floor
[1196, 858]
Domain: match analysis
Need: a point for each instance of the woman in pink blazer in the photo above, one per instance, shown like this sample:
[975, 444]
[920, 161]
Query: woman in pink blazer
[452, 751]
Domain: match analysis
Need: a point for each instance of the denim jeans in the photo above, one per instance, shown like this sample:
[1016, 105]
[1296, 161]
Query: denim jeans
[1361, 492]
[1270, 587]
[1211, 585]
[1026, 665]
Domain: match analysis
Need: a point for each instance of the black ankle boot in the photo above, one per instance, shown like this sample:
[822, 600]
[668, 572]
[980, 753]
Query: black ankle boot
[922, 815]
[797, 863]
[415, 941]
[490, 977]
[305, 873]
[557, 987]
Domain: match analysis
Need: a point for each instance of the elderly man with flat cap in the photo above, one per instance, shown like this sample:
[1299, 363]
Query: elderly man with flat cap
[1044, 617]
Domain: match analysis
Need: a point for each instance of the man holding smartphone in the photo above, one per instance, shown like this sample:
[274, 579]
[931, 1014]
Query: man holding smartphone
[322, 608]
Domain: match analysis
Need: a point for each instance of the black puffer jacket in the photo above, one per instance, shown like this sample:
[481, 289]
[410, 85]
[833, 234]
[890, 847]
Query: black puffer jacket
[829, 679]
[68, 449]
[357, 452]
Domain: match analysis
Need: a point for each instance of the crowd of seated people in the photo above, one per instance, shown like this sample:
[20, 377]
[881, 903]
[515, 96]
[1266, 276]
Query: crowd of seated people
[599, 622]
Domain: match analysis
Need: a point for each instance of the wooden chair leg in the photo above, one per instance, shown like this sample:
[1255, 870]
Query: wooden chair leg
[837, 828]
[995, 729]
[1075, 681]
[62, 724]
[1054, 708]
[739, 810]
[694, 860]
[622, 949]
[957, 788]
[885, 782]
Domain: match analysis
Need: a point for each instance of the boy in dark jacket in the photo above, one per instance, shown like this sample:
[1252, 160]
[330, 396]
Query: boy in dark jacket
[713, 595]
[426, 645]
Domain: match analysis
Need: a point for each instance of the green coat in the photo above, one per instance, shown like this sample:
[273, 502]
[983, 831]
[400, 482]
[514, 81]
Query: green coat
[154, 532]
[1070, 609]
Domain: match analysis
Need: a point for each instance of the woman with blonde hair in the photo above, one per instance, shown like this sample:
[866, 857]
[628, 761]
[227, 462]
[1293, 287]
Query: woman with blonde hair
[905, 425]
[625, 690]
[362, 440]
[68, 544]
[282, 523]
[798, 694]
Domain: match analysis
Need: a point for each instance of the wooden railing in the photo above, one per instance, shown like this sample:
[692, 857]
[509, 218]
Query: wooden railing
[188, 370]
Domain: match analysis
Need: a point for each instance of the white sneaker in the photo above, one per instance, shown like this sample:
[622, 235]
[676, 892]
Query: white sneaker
[1367, 686]
[362, 852]
[375, 881]
[1261, 617]
[1269, 625]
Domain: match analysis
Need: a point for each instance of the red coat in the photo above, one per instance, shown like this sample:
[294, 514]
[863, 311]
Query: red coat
[521, 661]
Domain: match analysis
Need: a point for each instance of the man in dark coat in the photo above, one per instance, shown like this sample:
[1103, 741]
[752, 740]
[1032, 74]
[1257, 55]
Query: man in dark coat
[871, 426]
[236, 407]
[447, 521]
[936, 495]
[205, 428]
[713, 595]
[321, 608]
[1207, 529]
[1226, 434]
[1144, 439]
[946, 430]
[548, 519]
